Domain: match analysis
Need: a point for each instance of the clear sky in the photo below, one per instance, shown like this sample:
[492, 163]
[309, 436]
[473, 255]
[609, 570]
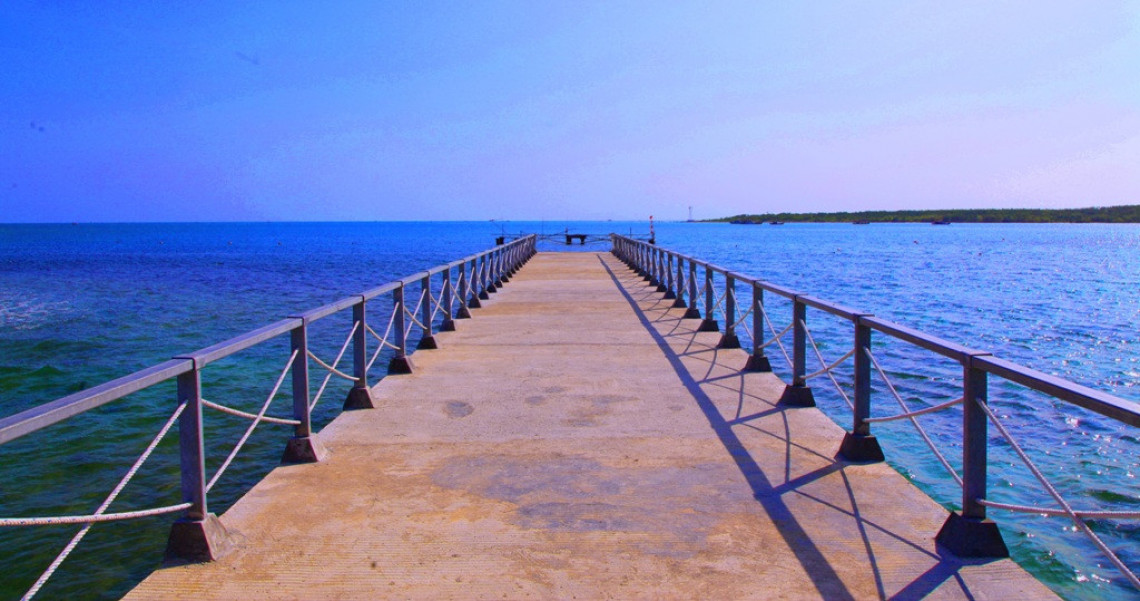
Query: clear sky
[219, 111]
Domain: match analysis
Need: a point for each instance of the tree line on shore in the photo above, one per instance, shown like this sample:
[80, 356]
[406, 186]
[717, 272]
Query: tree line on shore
[1119, 214]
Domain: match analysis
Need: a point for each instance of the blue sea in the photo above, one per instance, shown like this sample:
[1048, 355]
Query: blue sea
[81, 304]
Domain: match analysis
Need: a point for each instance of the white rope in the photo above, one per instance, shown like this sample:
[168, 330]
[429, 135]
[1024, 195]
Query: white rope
[823, 363]
[437, 303]
[776, 337]
[1066, 509]
[332, 368]
[917, 426]
[260, 416]
[891, 418]
[239, 413]
[59, 559]
[740, 320]
[1083, 514]
[412, 314]
[834, 365]
[93, 518]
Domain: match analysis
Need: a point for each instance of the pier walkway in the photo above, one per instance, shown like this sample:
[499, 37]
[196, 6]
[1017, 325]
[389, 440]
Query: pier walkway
[578, 439]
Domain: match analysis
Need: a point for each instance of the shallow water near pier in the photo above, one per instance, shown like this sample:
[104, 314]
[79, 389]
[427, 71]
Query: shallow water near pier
[81, 304]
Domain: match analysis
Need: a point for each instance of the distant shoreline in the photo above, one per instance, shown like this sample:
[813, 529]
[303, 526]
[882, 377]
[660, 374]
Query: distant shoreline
[1119, 214]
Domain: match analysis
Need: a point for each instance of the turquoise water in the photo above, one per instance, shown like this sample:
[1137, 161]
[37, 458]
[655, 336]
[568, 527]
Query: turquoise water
[80, 304]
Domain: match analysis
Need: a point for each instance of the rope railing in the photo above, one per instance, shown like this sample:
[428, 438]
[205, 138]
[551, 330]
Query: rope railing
[332, 368]
[965, 531]
[187, 369]
[257, 419]
[243, 414]
[1066, 510]
[776, 336]
[114, 494]
[921, 431]
[826, 369]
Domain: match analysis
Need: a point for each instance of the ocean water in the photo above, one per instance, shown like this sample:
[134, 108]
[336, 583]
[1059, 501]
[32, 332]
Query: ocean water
[81, 304]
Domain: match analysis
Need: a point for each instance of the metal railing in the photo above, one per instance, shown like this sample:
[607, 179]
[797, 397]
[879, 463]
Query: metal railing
[966, 533]
[448, 290]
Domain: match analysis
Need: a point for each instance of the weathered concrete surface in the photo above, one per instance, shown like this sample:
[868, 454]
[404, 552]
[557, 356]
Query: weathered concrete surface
[576, 439]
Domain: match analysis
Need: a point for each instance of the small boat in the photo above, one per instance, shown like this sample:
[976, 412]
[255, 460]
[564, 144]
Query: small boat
[775, 223]
[861, 222]
[939, 223]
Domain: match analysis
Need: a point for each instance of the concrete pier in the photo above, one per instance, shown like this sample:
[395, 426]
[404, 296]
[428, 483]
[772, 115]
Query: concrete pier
[578, 439]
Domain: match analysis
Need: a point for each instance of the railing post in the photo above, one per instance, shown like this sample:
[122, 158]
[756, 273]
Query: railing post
[667, 277]
[198, 536]
[859, 445]
[448, 324]
[680, 285]
[401, 363]
[970, 533]
[505, 269]
[427, 341]
[304, 446]
[729, 339]
[708, 324]
[798, 394]
[661, 272]
[757, 361]
[646, 263]
[693, 312]
[470, 285]
[360, 395]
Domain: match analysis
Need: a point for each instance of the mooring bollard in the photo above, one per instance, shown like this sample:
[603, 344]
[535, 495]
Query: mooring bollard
[798, 394]
[970, 533]
[401, 363]
[304, 446]
[757, 361]
[859, 444]
[360, 395]
[708, 324]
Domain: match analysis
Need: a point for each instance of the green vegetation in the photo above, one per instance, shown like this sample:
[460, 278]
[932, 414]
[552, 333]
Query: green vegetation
[1121, 214]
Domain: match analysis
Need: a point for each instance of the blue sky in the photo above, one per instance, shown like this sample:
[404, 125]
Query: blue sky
[219, 111]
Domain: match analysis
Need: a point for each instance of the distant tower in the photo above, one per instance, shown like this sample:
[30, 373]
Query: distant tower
[690, 214]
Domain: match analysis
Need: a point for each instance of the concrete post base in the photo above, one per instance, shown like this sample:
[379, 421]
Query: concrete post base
[359, 398]
[484, 295]
[860, 448]
[757, 363]
[729, 340]
[447, 326]
[797, 396]
[197, 541]
[304, 449]
[708, 325]
[427, 343]
[463, 312]
[680, 304]
[663, 288]
[474, 302]
[971, 537]
[493, 287]
[669, 295]
[400, 365]
[693, 313]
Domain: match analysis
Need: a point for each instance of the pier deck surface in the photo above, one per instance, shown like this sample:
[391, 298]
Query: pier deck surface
[578, 439]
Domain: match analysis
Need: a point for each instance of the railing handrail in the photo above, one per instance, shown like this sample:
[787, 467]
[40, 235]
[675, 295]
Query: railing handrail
[52, 412]
[1108, 405]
